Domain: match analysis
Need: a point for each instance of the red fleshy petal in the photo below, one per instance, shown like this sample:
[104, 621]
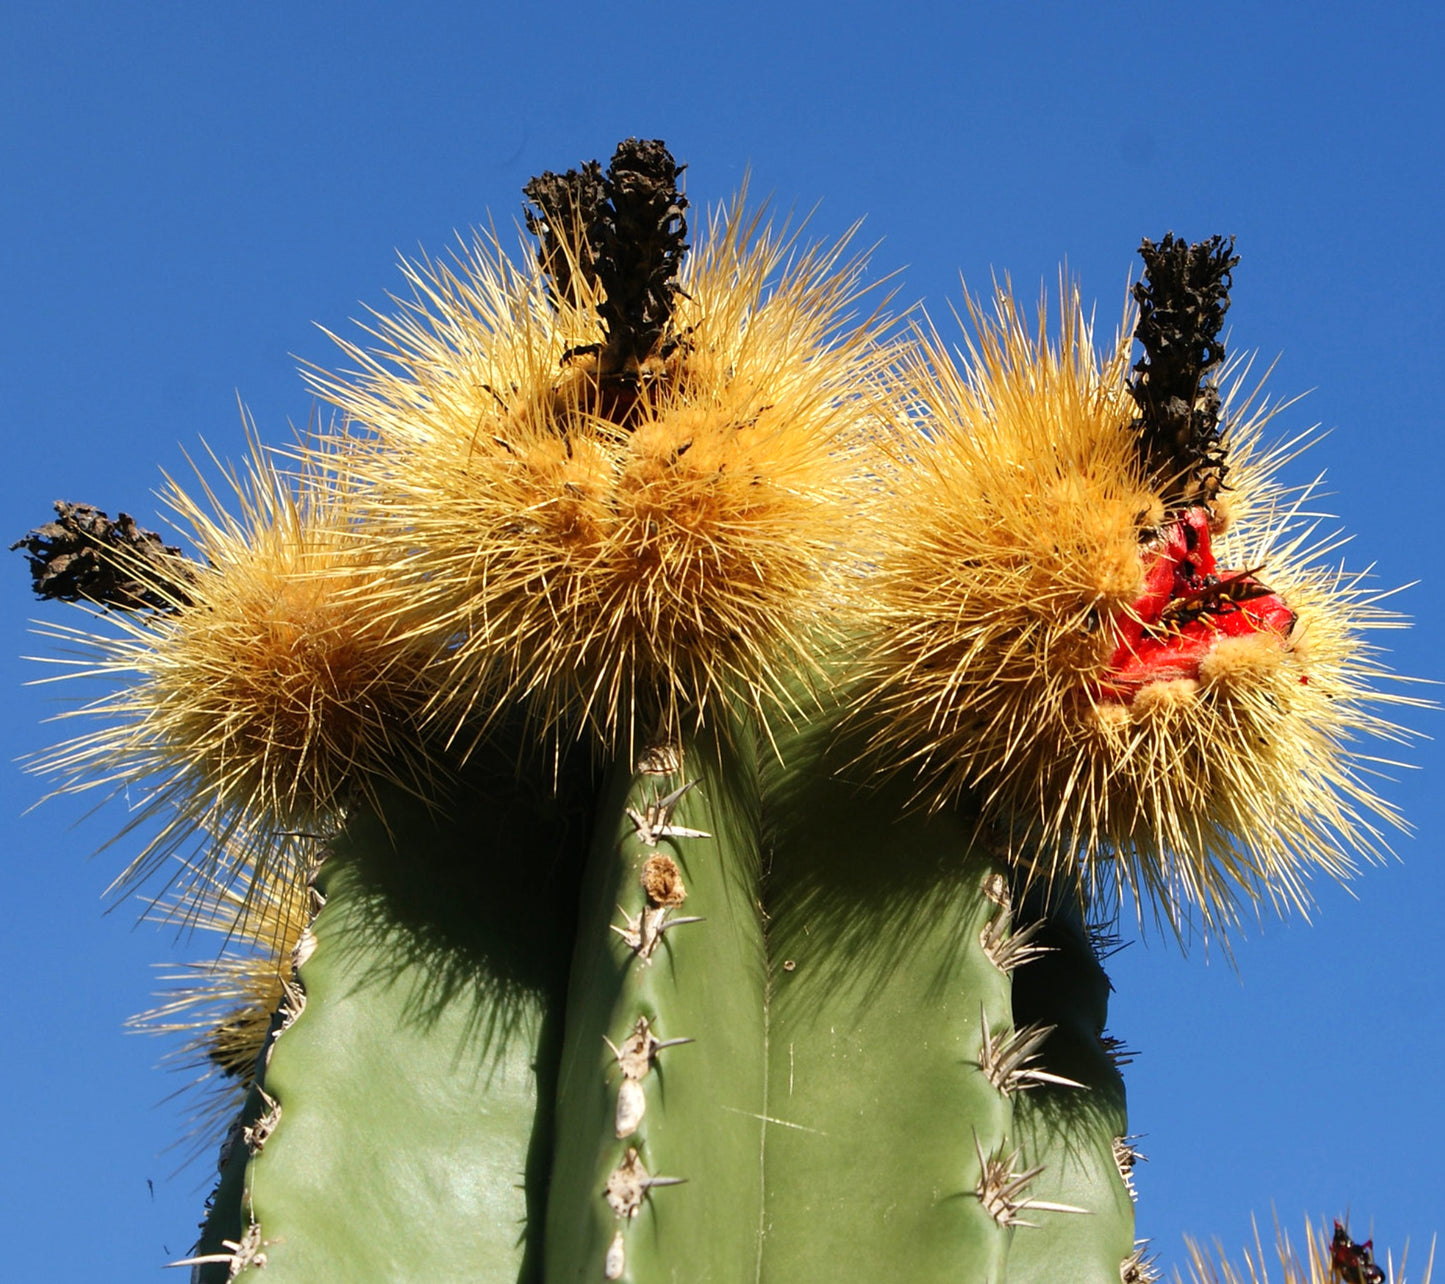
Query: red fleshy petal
[1186, 607]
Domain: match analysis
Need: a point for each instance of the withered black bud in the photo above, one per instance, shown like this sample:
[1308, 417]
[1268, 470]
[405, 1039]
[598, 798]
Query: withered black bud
[567, 212]
[626, 232]
[1182, 301]
[84, 556]
[639, 245]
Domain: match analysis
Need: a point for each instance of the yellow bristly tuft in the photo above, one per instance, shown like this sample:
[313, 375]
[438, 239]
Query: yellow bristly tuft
[268, 700]
[1313, 1267]
[621, 561]
[1023, 530]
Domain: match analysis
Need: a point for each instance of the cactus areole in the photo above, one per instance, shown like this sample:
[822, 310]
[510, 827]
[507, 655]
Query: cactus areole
[667, 754]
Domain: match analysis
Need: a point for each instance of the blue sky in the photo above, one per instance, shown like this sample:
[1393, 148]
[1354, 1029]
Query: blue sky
[189, 191]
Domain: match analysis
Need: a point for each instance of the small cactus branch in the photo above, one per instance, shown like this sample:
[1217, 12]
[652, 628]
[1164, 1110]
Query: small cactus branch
[84, 556]
[1182, 301]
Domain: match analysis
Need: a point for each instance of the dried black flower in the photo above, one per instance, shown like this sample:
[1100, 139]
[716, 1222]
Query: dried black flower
[623, 230]
[568, 211]
[1182, 301]
[639, 244]
[84, 556]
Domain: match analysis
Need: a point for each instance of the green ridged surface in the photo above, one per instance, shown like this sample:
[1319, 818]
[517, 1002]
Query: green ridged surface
[824, 1118]
[705, 1099]
[875, 1094]
[410, 1145]
[223, 1219]
[1070, 1130]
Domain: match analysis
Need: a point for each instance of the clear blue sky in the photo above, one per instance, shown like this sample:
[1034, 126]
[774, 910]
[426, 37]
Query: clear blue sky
[187, 190]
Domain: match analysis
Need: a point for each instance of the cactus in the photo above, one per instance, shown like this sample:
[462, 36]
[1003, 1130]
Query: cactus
[707, 734]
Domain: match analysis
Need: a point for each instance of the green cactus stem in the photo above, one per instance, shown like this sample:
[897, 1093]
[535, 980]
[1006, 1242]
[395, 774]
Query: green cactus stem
[793, 1043]
[658, 1174]
[849, 1102]
[893, 1069]
[1078, 1135]
[406, 1129]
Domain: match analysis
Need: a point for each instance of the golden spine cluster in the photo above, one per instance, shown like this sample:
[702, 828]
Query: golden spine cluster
[1326, 1259]
[268, 700]
[222, 1009]
[1022, 533]
[499, 527]
[618, 572]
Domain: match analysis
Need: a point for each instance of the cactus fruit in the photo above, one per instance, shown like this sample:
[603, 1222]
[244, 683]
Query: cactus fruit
[724, 724]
